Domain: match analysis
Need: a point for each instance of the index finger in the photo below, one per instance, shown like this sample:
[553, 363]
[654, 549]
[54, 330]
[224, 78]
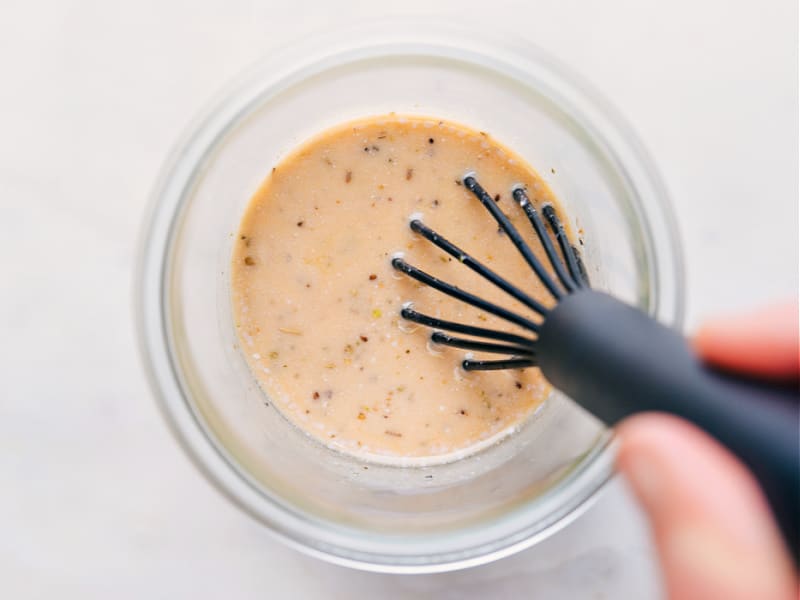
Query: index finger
[764, 343]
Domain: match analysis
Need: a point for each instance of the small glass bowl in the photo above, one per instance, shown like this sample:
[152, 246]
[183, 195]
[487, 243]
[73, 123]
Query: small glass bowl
[339, 508]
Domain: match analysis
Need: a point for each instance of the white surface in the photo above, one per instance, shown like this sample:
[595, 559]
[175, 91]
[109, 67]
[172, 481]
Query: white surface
[97, 500]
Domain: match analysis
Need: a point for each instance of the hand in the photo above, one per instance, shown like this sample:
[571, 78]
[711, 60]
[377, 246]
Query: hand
[712, 527]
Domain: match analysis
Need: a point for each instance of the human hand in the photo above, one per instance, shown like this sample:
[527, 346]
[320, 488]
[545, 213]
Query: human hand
[712, 527]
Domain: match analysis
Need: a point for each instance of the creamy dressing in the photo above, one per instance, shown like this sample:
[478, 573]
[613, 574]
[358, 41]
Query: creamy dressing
[316, 302]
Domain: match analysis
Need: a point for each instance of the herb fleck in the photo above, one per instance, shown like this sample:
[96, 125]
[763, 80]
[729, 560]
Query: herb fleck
[290, 331]
[409, 174]
[348, 176]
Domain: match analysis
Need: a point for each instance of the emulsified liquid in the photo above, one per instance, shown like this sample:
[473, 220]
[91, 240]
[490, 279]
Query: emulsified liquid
[316, 302]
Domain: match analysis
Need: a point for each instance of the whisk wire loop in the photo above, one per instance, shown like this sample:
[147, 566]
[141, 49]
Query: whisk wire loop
[505, 223]
[455, 292]
[474, 264]
[410, 314]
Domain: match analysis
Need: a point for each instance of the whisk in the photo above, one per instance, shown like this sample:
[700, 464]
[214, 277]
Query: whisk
[613, 359]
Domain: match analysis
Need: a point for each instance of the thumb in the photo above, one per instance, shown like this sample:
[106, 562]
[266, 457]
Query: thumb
[712, 527]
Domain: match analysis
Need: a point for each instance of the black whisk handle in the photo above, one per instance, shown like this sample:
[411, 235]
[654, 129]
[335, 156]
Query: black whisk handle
[614, 360]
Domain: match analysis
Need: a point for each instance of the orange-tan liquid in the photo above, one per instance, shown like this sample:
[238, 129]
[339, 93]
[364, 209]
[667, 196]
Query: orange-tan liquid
[316, 302]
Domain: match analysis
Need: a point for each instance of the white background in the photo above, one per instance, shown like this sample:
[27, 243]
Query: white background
[96, 499]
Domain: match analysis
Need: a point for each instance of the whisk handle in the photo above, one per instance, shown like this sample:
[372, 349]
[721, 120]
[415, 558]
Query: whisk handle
[614, 360]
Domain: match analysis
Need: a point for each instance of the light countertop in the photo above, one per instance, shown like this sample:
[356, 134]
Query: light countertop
[97, 499]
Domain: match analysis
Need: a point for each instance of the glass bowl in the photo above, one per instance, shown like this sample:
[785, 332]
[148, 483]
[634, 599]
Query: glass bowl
[372, 516]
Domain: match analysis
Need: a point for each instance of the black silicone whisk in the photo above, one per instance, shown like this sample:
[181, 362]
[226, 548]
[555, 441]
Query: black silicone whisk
[615, 360]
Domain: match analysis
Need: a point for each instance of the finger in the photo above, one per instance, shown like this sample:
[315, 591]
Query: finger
[713, 530]
[764, 343]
